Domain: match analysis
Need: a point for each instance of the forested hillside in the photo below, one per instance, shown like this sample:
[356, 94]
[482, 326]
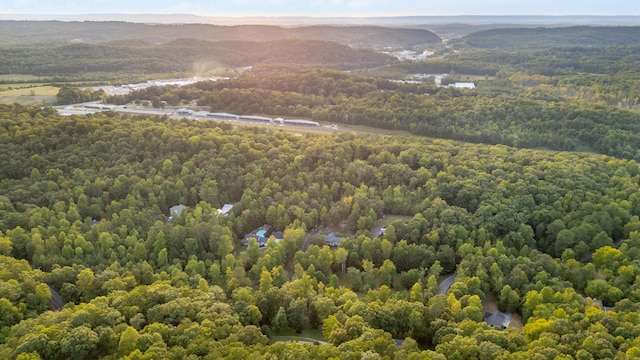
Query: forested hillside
[188, 56]
[541, 51]
[538, 38]
[84, 205]
[47, 32]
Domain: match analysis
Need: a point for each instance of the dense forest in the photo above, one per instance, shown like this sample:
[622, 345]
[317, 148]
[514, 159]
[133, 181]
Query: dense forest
[84, 205]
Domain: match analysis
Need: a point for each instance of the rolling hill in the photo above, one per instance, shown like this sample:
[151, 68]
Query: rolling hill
[183, 55]
[47, 32]
[538, 38]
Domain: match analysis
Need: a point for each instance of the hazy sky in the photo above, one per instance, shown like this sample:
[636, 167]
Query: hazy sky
[355, 8]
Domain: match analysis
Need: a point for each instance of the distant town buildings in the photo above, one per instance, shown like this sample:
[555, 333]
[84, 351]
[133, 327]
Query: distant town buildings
[411, 55]
[125, 89]
[437, 79]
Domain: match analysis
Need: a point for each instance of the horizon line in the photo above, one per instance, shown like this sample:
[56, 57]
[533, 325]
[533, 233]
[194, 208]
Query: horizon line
[311, 16]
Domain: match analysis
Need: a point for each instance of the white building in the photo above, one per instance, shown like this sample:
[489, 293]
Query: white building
[255, 118]
[301, 122]
[225, 209]
[201, 113]
[223, 116]
[464, 85]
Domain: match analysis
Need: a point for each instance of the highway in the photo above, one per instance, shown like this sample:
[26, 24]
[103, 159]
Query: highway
[133, 109]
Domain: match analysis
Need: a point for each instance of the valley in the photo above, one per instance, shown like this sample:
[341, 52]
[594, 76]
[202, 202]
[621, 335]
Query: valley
[320, 191]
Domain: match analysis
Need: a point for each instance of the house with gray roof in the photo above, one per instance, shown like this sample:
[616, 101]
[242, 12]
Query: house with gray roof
[498, 319]
[332, 239]
[599, 303]
[176, 210]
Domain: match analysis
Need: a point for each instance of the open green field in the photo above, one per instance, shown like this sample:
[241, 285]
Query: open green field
[342, 128]
[546, 150]
[376, 131]
[19, 78]
[298, 130]
[15, 86]
[390, 219]
[307, 335]
[29, 96]
[472, 78]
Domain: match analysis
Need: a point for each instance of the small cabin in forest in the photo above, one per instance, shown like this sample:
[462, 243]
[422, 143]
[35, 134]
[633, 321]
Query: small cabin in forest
[176, 210]
[498, 319]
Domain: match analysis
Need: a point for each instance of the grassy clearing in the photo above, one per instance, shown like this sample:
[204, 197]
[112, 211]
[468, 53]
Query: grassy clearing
[16, 86]
[389, 219]
[322, 130]
[545, 150]
[313, 130]
[30, 96]
[471, 78]
[375, 131]
[342, 128]
[17, 78]
[297, 130]
[307, 335]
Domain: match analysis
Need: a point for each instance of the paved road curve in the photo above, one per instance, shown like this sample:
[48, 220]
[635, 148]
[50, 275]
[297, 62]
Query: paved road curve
[55, 303]
[446, 284]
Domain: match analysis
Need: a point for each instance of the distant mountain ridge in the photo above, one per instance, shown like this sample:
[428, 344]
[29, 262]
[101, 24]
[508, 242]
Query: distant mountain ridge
[539, 38]
[181, 18]
[41, 32]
